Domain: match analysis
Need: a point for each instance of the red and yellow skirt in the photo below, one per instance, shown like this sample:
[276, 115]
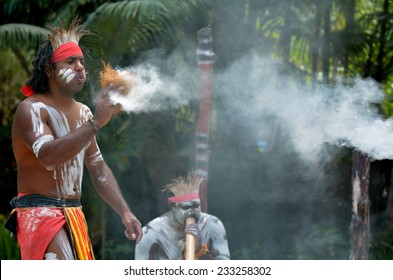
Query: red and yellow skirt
[36, 227]
[36, 219]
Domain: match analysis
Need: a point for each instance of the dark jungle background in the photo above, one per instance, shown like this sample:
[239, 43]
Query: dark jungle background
[281, 140]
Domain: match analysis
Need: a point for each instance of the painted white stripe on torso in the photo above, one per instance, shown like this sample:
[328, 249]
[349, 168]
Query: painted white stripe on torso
[39, 142]
[70, 172]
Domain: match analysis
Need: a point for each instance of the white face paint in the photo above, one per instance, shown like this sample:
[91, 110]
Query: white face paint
[182, 210]
[68, 175]
[70, 77]
[61, 72]
[66, 74]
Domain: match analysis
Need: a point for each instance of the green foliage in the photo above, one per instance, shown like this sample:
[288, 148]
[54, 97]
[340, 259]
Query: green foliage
[12, 77]
[9, 249]
[254, 253]
[382, 249]
[115, 250]
[23, 35]
[130, 26]
[123, 140]
[387, 104]
[381, 245]
[322, 243]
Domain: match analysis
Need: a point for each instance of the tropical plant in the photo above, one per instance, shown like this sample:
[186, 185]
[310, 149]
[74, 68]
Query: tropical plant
[9, 248]
[322, 243]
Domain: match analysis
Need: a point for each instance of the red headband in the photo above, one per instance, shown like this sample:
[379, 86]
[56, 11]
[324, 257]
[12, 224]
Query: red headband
[66, 50]
[184, 197]
[62, 52]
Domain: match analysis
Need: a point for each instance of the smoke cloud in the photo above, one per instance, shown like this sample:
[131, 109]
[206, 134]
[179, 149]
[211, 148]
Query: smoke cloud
[253, 87]
[272, 200]
[158, 86]
[341, 115]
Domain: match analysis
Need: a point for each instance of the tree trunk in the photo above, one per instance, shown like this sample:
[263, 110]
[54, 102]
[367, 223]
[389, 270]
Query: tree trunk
[350, 10]
[316, 45]
[360, 225]
[382, 43]
[325, 48]
[389, 209]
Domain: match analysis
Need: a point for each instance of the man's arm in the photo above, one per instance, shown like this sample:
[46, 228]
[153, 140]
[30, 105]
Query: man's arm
[216, 234]
[31, 126]
[143, 248]
[107, 187]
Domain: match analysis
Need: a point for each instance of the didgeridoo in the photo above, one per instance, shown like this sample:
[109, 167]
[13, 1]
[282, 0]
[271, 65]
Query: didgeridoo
[189, 253]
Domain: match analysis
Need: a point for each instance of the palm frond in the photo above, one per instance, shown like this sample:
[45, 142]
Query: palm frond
[125, 26]
[139, 10]
[21, 35]
[122, 26]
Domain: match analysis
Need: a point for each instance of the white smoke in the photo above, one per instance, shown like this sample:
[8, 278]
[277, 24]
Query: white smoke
[339, 115]
[253, 87]
[157, 90]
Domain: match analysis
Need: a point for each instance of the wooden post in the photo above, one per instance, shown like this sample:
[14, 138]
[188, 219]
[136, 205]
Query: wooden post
[389, 209]
[205, 59]
[360, 225]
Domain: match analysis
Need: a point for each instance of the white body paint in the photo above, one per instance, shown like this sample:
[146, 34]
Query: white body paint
[32, 223]
[65, 247]
[39, 142]
[104, 178]
[163, 238]
[95, 158]
[38, 125]
[50, 256]
[68, 175]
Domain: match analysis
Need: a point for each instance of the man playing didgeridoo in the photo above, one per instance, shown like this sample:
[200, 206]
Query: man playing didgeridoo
[164, 238]
[53, 136]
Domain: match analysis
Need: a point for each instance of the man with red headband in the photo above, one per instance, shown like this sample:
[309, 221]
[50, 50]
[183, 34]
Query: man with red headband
[164, 237]
[53, 137]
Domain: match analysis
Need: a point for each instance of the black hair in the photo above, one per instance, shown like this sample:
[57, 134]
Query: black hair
[39, 81]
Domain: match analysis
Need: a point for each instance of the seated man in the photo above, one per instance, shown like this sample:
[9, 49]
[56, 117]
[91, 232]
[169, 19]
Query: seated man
[164, 237]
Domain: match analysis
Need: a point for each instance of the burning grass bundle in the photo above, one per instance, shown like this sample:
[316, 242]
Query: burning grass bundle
[119, 80]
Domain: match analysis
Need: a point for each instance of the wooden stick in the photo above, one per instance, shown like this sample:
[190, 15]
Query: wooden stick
[189, 253]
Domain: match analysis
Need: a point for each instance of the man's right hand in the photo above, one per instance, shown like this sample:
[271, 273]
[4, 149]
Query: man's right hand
[193, 230]
[105, 108]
